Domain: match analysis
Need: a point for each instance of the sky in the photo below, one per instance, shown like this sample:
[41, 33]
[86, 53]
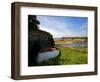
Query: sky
[64, 26]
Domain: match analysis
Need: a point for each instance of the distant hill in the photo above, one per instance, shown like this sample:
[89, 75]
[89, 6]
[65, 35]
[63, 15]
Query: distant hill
[57, 38]
[64, 38]
[77, 37]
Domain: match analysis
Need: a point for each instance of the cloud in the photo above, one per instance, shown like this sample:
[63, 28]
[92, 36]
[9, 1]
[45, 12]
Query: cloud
[84, 26]
[84, 29]
[58, 28]
[63, 26]
[57, 33]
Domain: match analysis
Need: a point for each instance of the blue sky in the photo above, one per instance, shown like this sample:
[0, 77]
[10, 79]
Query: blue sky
[64, 26]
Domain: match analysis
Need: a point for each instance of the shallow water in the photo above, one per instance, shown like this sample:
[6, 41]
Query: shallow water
[45, 56]
[73, 44]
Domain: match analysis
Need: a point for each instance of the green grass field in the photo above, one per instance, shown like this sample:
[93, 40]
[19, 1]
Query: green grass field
[69, 56]
[73, 55]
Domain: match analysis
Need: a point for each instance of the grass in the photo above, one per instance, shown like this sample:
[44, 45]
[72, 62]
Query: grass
[69, 56]
[73, 55]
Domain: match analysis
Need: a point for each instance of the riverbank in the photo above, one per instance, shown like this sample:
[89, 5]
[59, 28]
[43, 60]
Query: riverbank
[69, 56]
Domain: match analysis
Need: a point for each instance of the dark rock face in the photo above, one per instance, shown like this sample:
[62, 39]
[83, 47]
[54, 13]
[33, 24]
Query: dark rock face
[37, 40]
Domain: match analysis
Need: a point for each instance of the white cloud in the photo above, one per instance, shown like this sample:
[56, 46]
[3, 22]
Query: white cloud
[84, 29]
[57, 33]
[59, 27]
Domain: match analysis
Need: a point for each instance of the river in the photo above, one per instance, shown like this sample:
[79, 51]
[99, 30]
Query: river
[73, 44]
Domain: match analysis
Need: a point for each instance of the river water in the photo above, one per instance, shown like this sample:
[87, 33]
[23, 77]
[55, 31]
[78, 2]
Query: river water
[73, 44]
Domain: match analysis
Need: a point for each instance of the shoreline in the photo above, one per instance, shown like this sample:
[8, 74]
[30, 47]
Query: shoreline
[68, 41]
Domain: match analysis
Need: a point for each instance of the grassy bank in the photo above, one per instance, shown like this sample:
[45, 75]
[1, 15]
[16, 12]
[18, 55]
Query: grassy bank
[69, 56]
[73, 55]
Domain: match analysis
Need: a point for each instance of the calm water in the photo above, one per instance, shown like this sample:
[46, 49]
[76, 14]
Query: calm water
[74, 44]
